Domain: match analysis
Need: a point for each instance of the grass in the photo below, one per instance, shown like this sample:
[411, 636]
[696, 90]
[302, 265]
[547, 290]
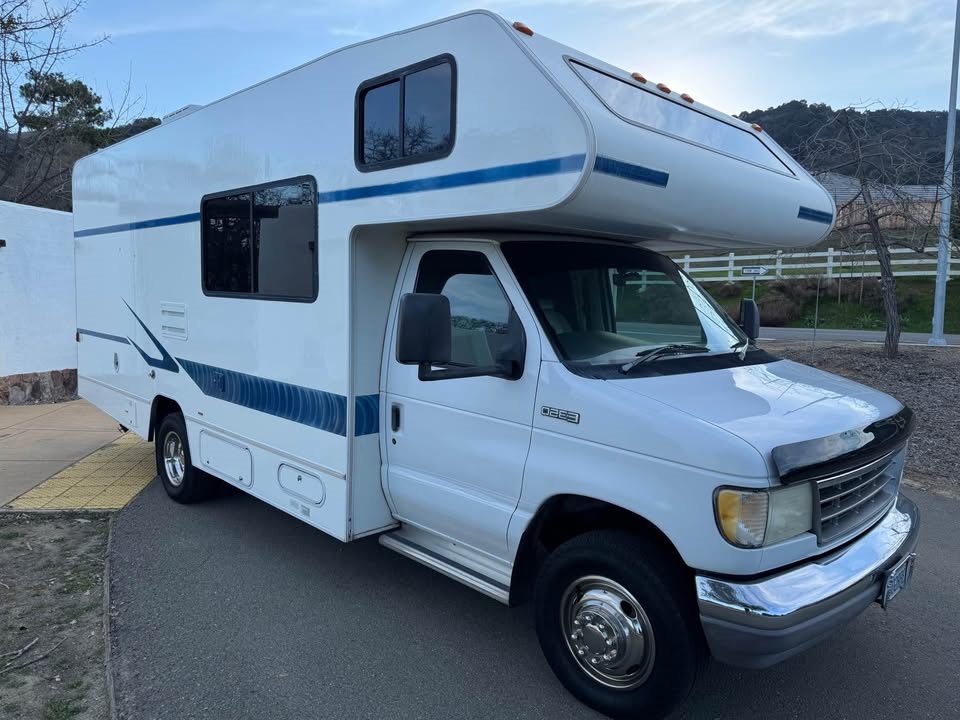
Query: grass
[62, 709]
[78, 584]
[10, 535]
[915, 299]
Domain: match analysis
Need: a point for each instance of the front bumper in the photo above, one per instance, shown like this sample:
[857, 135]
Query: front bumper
[758, 623]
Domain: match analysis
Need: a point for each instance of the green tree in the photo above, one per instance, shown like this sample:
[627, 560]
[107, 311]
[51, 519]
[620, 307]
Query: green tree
[47, 120]
[42, 114]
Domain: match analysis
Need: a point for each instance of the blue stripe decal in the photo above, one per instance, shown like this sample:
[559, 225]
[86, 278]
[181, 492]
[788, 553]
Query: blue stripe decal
[498, 173]
[538, 168]
[103, 336]
[166, 361]
[307, 406]
[819, 216]
[366, 415]
[143, 224]
[637, 173]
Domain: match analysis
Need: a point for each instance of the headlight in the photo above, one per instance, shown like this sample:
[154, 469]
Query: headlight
[754, 518]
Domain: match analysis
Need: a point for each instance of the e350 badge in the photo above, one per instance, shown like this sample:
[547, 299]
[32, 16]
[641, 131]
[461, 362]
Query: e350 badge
[567, 415]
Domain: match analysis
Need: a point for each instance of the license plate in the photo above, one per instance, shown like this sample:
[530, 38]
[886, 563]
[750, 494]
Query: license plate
[896, 579]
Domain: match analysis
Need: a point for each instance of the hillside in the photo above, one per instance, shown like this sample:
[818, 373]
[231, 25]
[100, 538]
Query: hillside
[920, 133]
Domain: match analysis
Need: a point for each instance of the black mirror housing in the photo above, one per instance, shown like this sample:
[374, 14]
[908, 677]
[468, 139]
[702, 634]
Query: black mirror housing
[514, 351]
[750, 318]
[423, 329]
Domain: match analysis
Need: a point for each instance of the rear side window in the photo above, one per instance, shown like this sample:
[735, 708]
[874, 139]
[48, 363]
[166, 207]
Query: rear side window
[407, 116]
[261, 242]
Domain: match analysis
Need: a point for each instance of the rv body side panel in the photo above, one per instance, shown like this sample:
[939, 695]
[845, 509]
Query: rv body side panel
[290, 389]
[376, 259]
[111, 372]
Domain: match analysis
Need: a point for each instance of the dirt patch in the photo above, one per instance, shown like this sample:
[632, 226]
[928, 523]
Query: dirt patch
[924, 378]
[51, 625]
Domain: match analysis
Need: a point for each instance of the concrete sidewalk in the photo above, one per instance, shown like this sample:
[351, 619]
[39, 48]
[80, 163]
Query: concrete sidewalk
[37, 441]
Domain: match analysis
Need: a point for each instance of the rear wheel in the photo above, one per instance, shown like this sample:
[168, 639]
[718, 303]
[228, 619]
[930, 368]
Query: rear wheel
[615, 622]
[183, 482]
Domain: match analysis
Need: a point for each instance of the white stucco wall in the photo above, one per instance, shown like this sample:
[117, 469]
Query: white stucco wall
[38, 317]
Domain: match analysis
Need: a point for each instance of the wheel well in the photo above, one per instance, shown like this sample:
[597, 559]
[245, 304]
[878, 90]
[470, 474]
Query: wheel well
[562, 518]
[162, 406]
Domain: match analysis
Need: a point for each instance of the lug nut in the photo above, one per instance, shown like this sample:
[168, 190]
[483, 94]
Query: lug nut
[610, 642]
[581, 652]
[610, 655]
[594, 660]
[601, 627]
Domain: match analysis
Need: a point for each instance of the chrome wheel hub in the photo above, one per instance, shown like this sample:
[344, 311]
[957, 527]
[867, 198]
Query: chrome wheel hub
[174, 458]
[607, 632]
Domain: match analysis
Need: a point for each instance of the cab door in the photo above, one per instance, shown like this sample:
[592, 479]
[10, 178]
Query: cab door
[456, 447]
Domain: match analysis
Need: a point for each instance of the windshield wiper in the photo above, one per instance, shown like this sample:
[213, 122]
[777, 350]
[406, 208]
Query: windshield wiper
[660, 351]
[741, 348]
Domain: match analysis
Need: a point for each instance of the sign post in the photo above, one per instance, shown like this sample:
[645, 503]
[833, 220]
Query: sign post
[753, 271]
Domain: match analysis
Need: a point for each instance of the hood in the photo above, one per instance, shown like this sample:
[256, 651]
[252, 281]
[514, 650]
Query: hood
[769, 404]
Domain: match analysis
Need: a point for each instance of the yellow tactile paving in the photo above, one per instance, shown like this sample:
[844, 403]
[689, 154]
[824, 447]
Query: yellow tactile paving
[106, 480]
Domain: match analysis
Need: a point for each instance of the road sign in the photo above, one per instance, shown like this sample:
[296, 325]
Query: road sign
[753, 270]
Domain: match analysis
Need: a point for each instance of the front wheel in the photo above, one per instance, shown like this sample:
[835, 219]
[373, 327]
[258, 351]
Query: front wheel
[616, 626]
[182, 481]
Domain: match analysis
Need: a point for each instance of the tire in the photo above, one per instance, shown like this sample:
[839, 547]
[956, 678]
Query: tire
[640, 646]
[182, 481]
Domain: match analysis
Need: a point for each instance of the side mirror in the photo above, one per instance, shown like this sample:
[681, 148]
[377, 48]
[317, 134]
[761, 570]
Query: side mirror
[513, 353]
[423, 329]
[750, 318]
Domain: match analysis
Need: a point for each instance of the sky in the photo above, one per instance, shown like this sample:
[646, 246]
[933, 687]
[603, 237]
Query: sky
[732, 54]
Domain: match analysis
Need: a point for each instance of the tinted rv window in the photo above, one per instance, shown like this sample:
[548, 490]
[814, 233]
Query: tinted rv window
[644, 107]
[227, 251]
[262, 243]
[407, 116]
[381, 123]
[426, 110]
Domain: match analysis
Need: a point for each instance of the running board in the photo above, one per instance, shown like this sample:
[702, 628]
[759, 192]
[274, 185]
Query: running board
[446, 566]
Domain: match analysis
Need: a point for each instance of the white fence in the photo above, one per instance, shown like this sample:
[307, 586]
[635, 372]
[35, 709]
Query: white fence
[830, 263]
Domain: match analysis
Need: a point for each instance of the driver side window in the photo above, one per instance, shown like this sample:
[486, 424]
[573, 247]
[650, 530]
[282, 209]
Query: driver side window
[479, 309]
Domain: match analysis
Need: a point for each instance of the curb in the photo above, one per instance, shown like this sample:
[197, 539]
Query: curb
[107, 636]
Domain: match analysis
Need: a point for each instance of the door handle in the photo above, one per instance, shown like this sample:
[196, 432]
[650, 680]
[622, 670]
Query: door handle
[395, 417]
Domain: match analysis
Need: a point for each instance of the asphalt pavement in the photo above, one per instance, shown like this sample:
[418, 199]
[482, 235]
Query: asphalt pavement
[870, 336]
[232, 609]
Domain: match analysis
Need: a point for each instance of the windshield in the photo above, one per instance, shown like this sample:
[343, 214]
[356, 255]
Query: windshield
[605, 304]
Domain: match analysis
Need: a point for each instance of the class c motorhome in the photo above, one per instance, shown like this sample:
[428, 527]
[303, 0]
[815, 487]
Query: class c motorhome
[414, 289]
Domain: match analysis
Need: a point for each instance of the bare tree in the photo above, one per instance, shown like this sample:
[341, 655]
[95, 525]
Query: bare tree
[42, 113]
[885, 210]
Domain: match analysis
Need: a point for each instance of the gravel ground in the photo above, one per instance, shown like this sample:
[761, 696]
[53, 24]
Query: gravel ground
[924, 378]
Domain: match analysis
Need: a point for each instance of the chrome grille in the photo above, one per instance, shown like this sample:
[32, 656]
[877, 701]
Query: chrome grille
[856, 498]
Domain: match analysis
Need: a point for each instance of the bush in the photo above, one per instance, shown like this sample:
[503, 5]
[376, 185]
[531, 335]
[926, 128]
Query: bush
[799, 290]
[777, 309]
[726, 290]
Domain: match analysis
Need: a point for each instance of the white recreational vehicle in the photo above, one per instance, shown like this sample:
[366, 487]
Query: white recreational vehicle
[412, 289]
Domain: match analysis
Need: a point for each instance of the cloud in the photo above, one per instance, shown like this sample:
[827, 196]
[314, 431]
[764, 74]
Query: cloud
[786, 19]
